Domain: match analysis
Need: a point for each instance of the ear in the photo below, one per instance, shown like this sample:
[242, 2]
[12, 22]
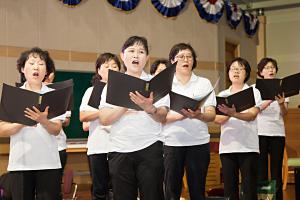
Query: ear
[122, 56]
[173, 61]
[22, 70]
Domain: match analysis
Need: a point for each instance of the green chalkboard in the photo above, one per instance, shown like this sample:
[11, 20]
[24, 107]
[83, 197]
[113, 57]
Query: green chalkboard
[82, 80]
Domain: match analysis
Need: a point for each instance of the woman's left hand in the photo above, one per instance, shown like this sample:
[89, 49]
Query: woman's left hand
[190, 113]
[227, 110]
[36, 115]
[143, 102]
[280, 99]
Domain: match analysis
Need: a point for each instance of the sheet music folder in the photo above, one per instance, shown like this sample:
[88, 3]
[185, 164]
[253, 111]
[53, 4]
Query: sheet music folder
[58, 85]
[179, 102]
[120, 85]
[64, 84]
[269, 88]
[95, 97]
[15, 100]
[242, 100]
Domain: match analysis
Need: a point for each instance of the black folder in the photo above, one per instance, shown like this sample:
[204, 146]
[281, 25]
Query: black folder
[95, 97]
[56, 86]
[120, 85]
[62, 85]
[269, 88]
[15, 100]
[242, 100]
[179, 102]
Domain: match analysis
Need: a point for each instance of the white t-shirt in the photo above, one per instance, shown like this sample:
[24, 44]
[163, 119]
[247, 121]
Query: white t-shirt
[238, 135]
[270, 121]
[98, 140]
[33, 148]
[190, 132]
[61, 137]
[135, 130]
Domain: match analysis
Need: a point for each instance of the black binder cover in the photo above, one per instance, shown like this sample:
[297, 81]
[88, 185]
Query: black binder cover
[95, 97]
[269, 88]
[242, 100]
[179, 102]
[120, 85]
[64, 84]
[15, 100]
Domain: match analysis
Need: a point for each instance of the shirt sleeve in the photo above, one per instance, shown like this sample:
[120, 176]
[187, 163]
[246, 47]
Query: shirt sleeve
[211, 100]
[165, 101]
[85, 100]
[103, 103]
[257, 97]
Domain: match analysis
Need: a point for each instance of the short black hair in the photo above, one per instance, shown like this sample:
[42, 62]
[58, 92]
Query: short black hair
[156, 63]
[136, 40]
[182, 46]
[102, 58]
[263, 62]
[35, 51]
[242, 62]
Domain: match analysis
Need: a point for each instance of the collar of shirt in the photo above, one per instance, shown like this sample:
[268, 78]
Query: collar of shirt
[192, 79]
[244, 87]
[144, 76]
[43, 90]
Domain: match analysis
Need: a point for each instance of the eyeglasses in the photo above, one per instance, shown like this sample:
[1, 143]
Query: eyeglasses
[183, 57]
[269, 67]
[236, 69]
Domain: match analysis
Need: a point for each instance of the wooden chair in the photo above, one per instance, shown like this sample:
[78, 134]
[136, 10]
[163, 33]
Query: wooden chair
[69, 188]
[285, 170]
[288, 162]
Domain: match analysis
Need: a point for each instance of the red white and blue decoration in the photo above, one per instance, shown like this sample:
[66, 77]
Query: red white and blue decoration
[125, 5]
[210, 10]
[251, 23]
[169, 8]
[71, 2]
[234, 14]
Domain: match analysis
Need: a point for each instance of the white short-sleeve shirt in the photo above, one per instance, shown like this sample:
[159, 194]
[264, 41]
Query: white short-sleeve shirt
[33, 148]
[188, 132]
[98, 140]
[270, 121]
[135, 130]
[238, 135]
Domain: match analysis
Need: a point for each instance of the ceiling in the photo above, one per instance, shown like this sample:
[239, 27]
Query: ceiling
[267, 5]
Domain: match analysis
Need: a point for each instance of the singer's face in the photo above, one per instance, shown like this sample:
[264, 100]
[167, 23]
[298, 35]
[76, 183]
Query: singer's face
[34, 69]
[269, 71]
[105, 67]
[135, 58]
[185, 62]
[237, 73]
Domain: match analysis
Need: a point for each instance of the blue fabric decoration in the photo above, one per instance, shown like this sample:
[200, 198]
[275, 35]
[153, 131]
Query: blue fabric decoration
[125, 5]
[251, 23]
[210, 10]
[71, 2]
[169, 8]
[234, 14]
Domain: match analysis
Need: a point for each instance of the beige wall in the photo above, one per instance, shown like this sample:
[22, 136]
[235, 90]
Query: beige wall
[95, 26]
[246, 45]
[282, 34]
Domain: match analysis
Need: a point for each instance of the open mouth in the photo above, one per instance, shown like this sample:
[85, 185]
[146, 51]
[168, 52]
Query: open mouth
[185, 66]
[35, 74]
[135, 62]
